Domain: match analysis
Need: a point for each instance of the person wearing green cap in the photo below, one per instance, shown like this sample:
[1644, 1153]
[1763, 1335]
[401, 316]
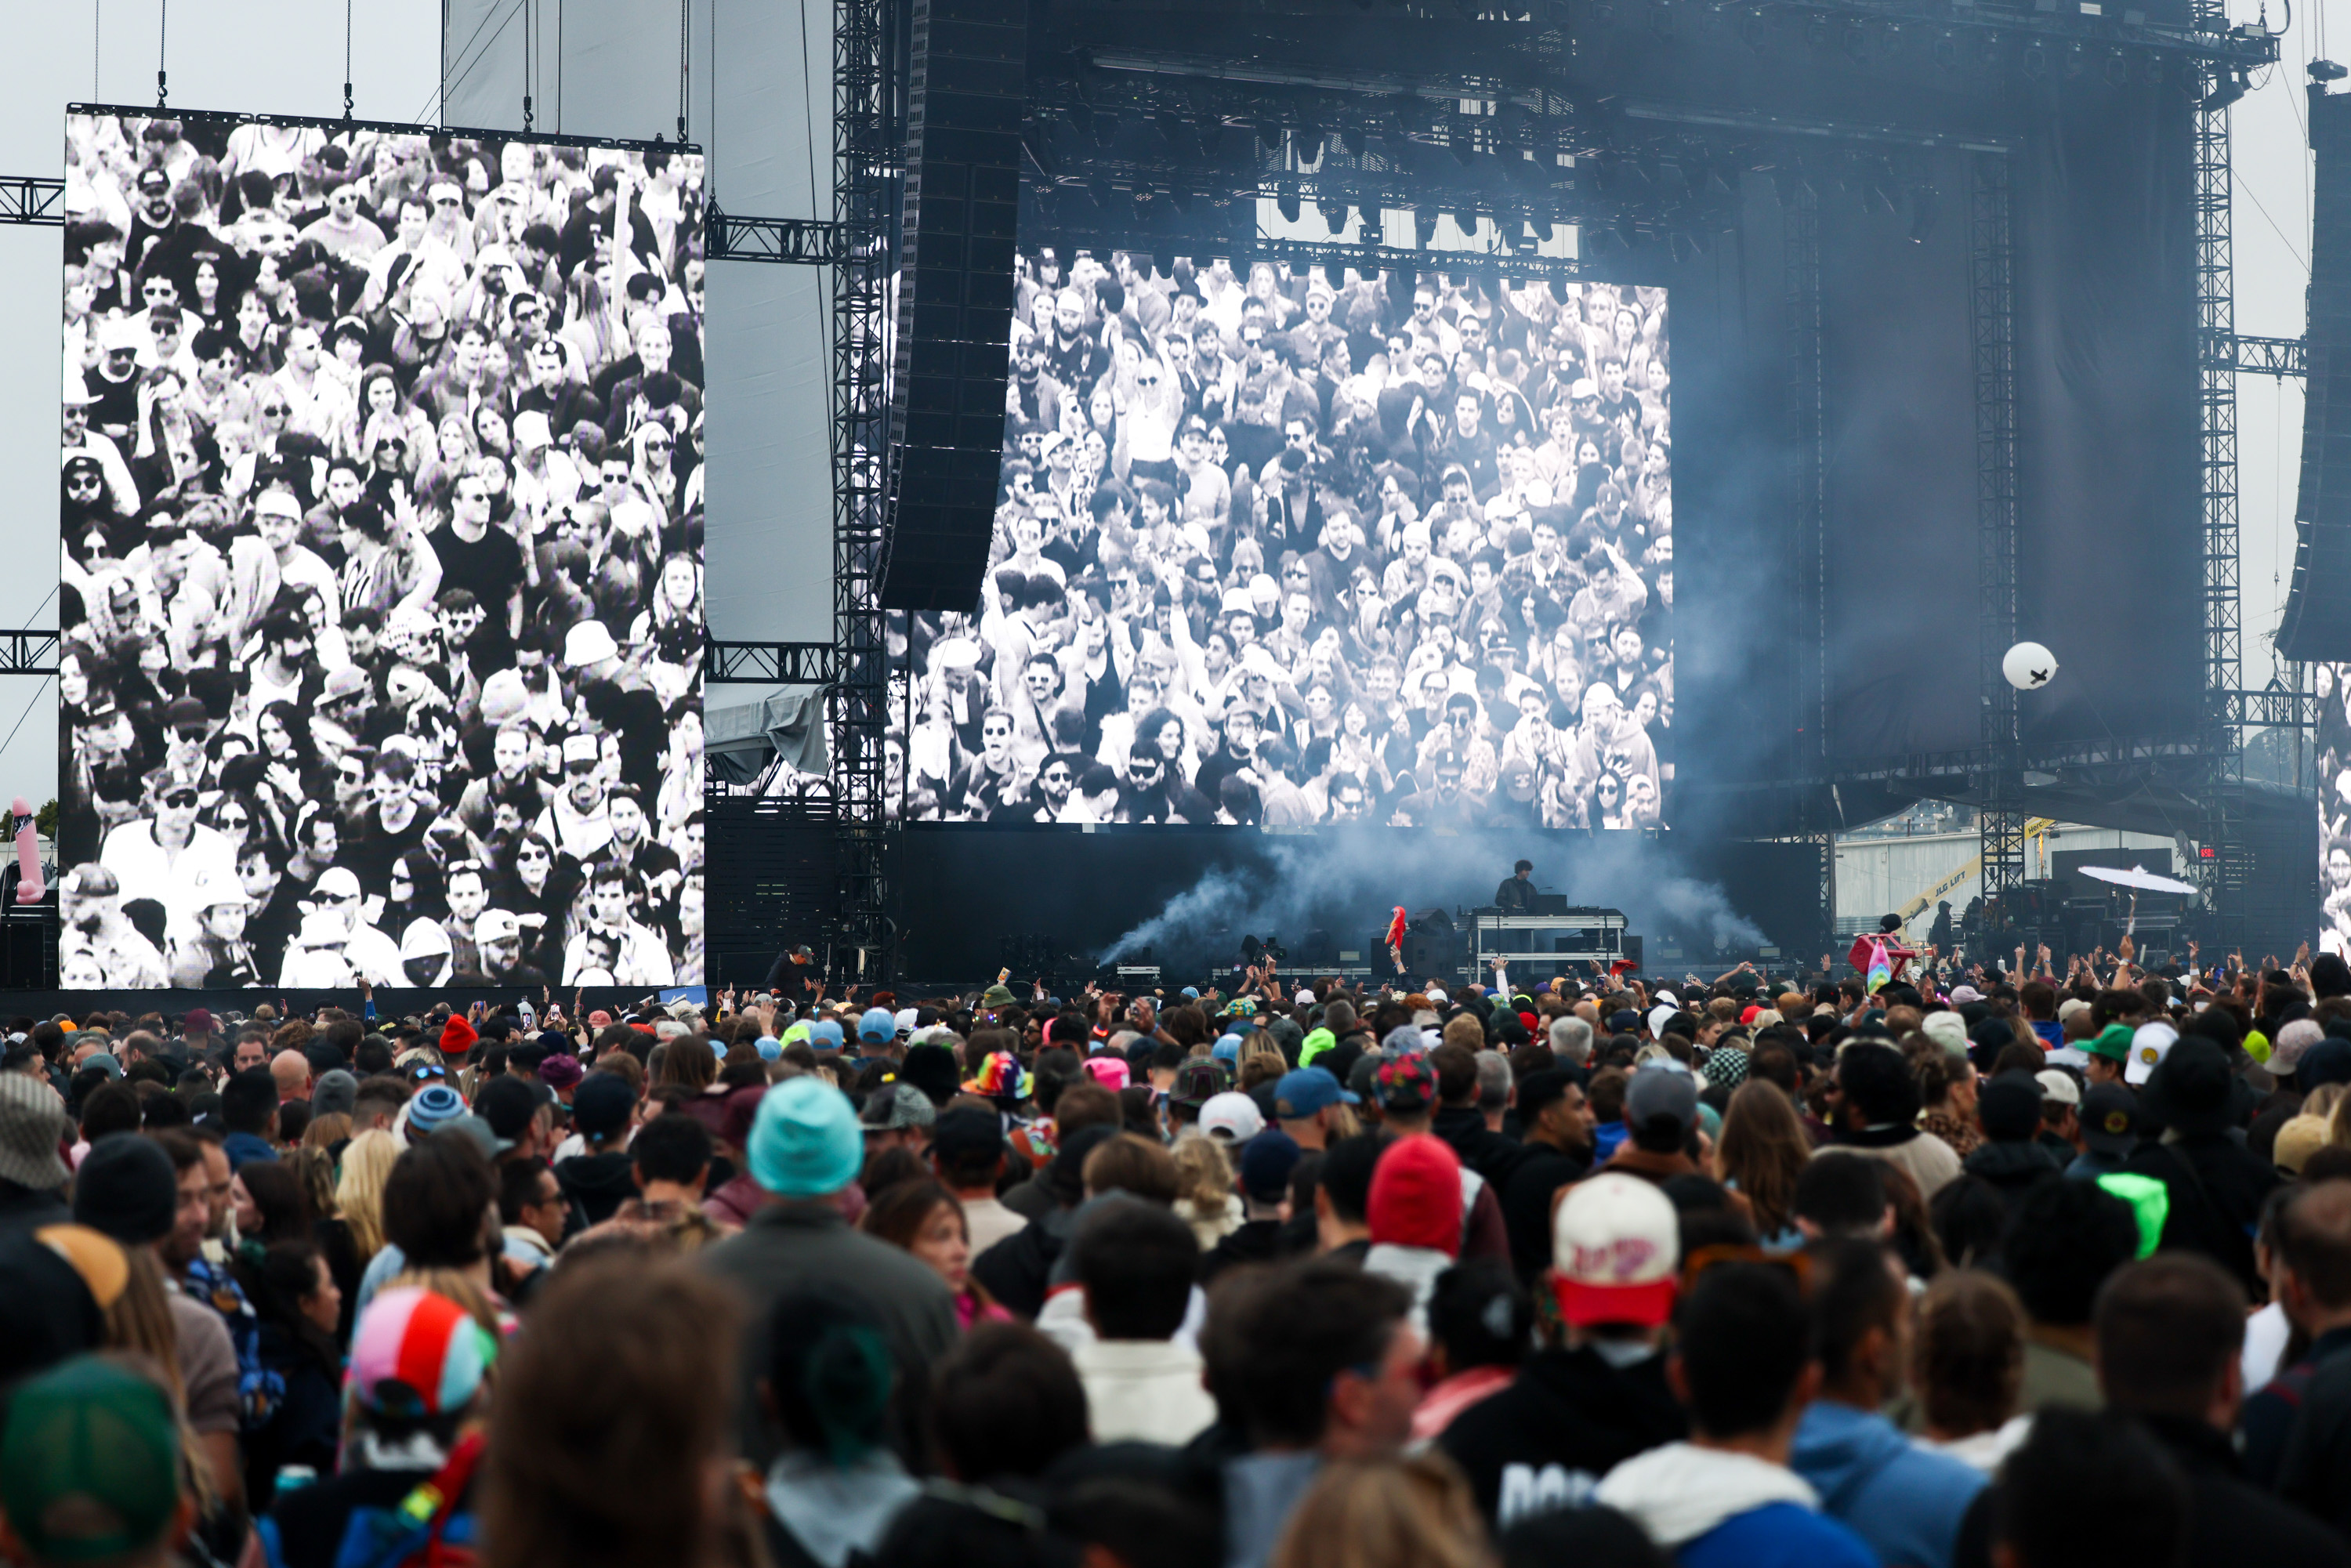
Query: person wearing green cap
[2109, 1054]
[805, 1150]
[89, 1470]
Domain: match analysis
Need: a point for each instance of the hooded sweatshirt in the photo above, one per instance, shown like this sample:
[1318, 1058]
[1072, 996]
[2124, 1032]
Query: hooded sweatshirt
[1904, 1501]
[1714, 1508]
[1569, 1417]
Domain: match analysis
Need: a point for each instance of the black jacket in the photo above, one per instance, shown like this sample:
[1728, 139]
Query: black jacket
[1569, 1417]
[2315, 1468]
[1253, 1241]
[1527, 1204]
[2014, 1168]
[26, 1207]
[1482, 1149]
[597, 1185]
[2217, 1186]
[2274, 1411]
[2229, 1522]
[1515, 897]
[1018, 1271]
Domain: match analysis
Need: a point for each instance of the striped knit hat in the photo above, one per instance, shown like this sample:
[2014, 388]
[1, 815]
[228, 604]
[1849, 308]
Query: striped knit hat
[417, 1354]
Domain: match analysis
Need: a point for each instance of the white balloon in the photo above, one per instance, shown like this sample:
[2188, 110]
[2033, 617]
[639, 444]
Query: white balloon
[2029, 667]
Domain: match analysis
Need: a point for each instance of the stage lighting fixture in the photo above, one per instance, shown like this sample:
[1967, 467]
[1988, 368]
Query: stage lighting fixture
[1335, 215]
[1945, 52]
[2034, 62]
[1924, 201]
[1269, 131]
[1754, 31]
[2115, 68]
[1857, 43]
[2227, 89]
[1286, 203]
[2075, 61]
[2150, 68]
[1352, 141]
[2326, 70]
[1661, 18]
[1308, 141]
[1816, 30]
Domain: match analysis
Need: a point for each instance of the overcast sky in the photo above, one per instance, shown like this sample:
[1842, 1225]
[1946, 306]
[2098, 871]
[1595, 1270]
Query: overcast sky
[286, 56]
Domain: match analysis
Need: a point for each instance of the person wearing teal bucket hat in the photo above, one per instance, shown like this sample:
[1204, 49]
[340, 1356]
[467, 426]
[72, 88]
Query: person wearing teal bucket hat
[804, 1152]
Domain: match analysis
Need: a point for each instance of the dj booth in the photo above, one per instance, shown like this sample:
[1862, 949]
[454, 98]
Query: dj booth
[1550, 940]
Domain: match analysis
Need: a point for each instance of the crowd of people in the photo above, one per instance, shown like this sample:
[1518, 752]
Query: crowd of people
[2333, 684]
[2048, 1274]
[1312, 545]
[381, 590]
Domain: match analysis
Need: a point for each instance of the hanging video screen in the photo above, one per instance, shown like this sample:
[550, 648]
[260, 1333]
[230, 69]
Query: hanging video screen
[381, 567]
[1284, 546]
[2333, 684]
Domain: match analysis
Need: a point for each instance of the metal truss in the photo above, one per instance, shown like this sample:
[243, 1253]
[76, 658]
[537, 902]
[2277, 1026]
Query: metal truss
[1991, 311]
[771, 664]
[32, 199]
[2223, 869]
[808, 242]
[1801, 260]
[867, 141]
[2279, 357]
[28, 652]
[2274, 706]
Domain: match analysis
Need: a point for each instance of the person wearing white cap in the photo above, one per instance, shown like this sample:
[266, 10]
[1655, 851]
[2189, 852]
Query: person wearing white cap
[335, 946]
[79, 438]
[578, 820]
[114, 381]
[1596, 1394]
[213, 954]
[275, 550]
[93, 932]
[2150, 1045]
[166, 855]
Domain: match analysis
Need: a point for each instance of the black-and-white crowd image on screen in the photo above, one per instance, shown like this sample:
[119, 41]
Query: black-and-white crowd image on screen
[382, 557]
[2334, 688]
[1285, 546]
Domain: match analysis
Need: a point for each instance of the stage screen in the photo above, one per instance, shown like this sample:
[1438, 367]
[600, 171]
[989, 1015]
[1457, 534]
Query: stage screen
[1282, 546]
[2333, 684]
[382, 580]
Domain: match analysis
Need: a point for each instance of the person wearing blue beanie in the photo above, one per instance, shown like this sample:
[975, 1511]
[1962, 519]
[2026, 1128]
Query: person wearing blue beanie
[804, 1152]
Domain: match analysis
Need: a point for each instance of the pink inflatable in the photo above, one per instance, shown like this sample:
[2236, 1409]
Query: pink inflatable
[29, 887]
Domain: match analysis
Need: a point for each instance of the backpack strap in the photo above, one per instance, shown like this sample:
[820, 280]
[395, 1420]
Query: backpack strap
[433, 1503]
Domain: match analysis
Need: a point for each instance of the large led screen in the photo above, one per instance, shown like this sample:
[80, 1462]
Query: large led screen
[1284, 546]
[382, 556]
[2333, 683]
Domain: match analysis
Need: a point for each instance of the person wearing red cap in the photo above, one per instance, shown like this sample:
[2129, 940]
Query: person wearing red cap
[1414, 1215]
